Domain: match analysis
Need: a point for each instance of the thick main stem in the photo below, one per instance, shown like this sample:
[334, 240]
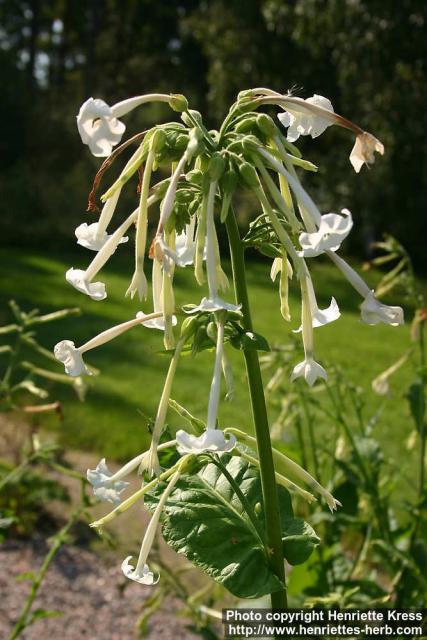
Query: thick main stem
[259, 411]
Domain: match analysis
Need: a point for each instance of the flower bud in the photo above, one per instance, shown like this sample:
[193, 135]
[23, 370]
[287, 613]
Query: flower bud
[216, 167]
[178, 102]
[158, 140]
[189, 117]
[246, 125]
[266, 125]
[195, 176]
[248, 175]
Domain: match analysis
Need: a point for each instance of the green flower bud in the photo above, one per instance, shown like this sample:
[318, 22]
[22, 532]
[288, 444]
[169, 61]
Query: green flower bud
[229, 181]
[246, 125]
[178, 102]
[191, 116]
[266, 125]
[248, 175]
[216, 166]
[195, 176]
[158, 140]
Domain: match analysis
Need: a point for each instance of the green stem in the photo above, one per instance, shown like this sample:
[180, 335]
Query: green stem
[259, 412]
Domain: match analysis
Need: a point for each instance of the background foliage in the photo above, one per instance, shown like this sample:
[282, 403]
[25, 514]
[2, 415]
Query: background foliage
[369, 58]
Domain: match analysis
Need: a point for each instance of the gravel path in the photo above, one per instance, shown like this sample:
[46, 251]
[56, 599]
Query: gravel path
[97, 601]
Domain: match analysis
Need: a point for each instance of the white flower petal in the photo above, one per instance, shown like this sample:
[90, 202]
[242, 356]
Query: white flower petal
[143, 577]
[374, 312]
[77, 277]
[103, 487]
[332, 231]
[66, 352]
[320, 317]
[209, 305]
[98, 127]
[211, 440]
[88, 237]
[301, 121]
[309, 370]
[156, 323]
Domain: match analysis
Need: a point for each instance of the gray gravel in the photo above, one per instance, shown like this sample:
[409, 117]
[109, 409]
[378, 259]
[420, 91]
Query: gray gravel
[87, 590]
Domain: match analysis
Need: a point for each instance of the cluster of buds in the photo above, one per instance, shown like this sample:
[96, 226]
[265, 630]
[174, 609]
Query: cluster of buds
[206, 168]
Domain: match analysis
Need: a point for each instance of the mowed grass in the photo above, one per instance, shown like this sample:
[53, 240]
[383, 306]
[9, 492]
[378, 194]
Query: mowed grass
[111, 421]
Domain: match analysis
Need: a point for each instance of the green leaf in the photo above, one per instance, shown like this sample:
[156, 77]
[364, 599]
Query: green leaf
[299, 540]
[204, 520]
[250, 341]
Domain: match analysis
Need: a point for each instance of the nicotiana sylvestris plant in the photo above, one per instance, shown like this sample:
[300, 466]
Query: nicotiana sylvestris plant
[223, 497]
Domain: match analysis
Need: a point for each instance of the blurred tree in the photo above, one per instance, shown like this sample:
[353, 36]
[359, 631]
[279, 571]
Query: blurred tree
[369, 57]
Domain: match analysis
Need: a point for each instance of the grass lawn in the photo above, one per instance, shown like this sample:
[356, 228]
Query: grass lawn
[132, 373]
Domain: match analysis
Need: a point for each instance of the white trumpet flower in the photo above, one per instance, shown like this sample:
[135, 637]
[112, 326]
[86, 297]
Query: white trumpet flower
[78, 278]
[88, 236]
[213, 302]
[98, 123]
[320, 317]
[71, 357]
[372, 311]
[308, 369]
[105, 487]
[301, 121]
[332, 231]
[141, 573]
[212, 439]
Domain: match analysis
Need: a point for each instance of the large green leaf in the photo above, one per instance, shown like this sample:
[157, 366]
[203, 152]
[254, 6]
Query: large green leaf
[204, 519]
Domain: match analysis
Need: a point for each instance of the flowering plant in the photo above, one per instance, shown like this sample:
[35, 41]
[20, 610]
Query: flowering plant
[222, 495]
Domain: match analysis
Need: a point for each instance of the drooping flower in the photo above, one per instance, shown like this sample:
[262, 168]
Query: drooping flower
[141, 573]
[374, 312]
[98, 127]
[213, 266]
[332, 231]
[310, 370]
[159, 321]
[302, 121]
[212, 440]
[320, 317]
[104, 486]
[98, 123]
[71, 357]
[381, 384]
[364, 149]
[88, 236]
[185, 245]
[78, 278]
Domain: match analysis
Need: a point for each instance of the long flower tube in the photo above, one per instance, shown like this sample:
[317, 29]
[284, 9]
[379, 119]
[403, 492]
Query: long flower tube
[72, 356]
[213, 265]
[318, 116]
[309, 369]
[372, 311]
[152, 460]
[83, 279]
[168, 295]
[212, 439]
[292, 466]
[107, 213]
[99, 125]
[141, 573]
[139, 281]
[296, 187]
[277, 196]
